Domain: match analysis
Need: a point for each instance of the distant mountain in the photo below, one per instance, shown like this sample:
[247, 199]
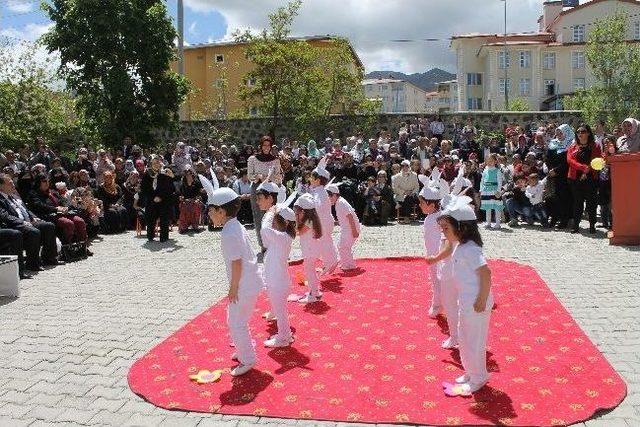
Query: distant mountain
[426, 81]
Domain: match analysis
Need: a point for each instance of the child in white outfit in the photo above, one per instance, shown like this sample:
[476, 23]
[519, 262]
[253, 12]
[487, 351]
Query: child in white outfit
[349, 227]
[278, 231]
[473, 281]
[429, 202]
[310, 232]
[243, 273]
[328, 253]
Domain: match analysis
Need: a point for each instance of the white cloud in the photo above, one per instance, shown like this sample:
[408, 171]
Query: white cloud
[372, 24]
[192, 28]
[30, 32]
[17, 6]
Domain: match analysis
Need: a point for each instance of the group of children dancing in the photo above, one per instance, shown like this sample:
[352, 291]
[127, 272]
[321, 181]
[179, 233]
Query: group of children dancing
[460, 277]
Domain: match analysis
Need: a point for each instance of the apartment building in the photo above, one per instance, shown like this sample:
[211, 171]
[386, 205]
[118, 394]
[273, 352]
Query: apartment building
[396, 96]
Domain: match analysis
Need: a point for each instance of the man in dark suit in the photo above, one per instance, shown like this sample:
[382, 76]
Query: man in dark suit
[11, 244]
[36, 233]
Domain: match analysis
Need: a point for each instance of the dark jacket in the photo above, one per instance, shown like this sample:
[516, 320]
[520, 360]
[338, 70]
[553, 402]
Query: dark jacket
[9, 216]
[164, 189]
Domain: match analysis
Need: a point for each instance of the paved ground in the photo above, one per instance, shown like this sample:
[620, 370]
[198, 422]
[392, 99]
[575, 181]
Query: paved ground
[67, 343]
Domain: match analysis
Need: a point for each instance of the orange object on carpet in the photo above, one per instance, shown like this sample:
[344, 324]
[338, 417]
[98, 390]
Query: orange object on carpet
[369, 353]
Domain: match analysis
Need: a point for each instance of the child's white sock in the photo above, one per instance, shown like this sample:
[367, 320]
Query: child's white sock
[498, 218]
[488, 214]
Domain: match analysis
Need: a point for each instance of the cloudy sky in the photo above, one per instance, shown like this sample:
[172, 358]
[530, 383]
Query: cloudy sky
[371, 25]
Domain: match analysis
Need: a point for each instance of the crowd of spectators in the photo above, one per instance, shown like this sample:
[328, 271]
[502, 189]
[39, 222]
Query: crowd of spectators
[544, 169]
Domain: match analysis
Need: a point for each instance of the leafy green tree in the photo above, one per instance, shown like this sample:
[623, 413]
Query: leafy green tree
[519, 104]
[115, 56]
[30, 105]
[615, 65]
[295, 79]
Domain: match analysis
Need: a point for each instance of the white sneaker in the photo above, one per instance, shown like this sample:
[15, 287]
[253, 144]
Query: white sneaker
[473, 387]
[463, 379]
[308, 298]
[234, 356]
[487, 226]
[241, 370]
[448, 344]
[274, 342]
[434, 310]
[497, 227]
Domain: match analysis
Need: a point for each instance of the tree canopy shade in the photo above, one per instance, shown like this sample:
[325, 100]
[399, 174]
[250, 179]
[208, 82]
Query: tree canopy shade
[615, 64]
[115, 56]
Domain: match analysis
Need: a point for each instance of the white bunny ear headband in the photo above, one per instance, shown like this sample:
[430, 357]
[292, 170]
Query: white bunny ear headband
[284, 210]
[459, 208]
[208, 186]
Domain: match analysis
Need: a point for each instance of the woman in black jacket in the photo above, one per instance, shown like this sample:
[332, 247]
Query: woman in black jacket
[157, 192]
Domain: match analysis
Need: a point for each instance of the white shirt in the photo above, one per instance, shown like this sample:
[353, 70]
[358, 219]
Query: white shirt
[467, 259]
[235, 246]
[343, 209]
[432, 234]
[534, 193]
[278, 244]
[241, 187]
[323, 206]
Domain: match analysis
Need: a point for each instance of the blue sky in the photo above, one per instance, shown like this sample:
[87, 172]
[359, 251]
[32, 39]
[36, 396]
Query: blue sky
[373, 26]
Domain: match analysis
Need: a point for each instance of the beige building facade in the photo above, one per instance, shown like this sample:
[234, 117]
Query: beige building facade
[396, 96]
[539, 68]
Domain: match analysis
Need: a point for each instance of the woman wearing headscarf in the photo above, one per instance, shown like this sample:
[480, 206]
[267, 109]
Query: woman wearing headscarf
[258, 167]
[157, 191]
[312, 150]
[559, 195]
[630, 141]
[115, 215]
[582, 179]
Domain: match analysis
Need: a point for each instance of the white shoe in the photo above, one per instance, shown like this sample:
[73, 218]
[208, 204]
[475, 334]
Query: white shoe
[234, 356]
[241, 370]
[274, 342]
[434, 310]
[448, 344]
[473, 387]
[463, 379]
[269, 317]
[497, 227]
[487, 226]
[308, 298]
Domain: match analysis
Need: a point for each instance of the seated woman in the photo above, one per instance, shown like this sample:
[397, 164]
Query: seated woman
[110, 193]
[129, 191]
[89, 209]
[50, 206]
[190, 202]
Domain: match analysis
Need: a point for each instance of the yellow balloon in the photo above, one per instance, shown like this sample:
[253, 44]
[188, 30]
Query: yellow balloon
[598, 164]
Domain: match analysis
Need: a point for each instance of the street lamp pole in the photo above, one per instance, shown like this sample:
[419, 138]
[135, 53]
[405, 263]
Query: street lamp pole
[180, 37]
[506, 85]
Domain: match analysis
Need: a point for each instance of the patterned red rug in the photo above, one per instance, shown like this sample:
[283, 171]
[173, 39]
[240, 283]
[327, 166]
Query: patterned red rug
[368, 353]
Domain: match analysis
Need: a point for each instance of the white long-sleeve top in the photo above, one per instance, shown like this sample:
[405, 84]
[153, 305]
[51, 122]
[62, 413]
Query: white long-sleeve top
[323, 206]
[404, 185]
[535, 192]
[343, 210]
[276, 259]
[256, 167]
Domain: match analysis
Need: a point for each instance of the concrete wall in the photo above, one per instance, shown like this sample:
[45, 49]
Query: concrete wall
[248, 131]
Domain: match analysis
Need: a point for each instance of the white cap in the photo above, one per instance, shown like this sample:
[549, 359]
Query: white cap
[269, 187]
[222, 196]
[288, 214]
[430, 193]
[332, 188]
[460, 209]
[322, 172]
[406, 163]
[305, 201]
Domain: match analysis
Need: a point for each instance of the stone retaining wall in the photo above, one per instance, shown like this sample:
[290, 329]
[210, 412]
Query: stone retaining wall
[249, 130]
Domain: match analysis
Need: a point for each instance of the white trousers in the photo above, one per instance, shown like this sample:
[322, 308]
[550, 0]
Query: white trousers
[436, 298]
[472, 338]
[309, 267]
[328, 252]
[238, 316]
[278, 294]
[345, 250]
[449, 295]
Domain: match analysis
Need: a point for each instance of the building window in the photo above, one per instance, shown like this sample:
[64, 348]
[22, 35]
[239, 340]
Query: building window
[525, 87]
[253, 111]
[549, 60]
[636, 30]
[578, 34]
[578, 84]
[219, 58]
[474, 79]
[501, 86]
[577, 60]
[474, 103]
[549, 87]
[503, 59]
[525, 59]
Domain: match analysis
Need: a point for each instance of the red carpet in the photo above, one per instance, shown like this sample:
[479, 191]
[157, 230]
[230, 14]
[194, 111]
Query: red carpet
[369, 353]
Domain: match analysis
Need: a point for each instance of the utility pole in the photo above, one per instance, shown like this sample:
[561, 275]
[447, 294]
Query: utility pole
[506, 62]
[181, 37]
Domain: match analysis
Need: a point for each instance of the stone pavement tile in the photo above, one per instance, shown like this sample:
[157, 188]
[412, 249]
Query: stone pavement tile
[13, 396]
[80, 416]
[110, 393]
[13, 410]
[110, 418]
[173, 421]
[144, 420]
[43, 399]
[11, 422]
[209, 422]
[109, 405]
[76, 402]
[44, 413]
